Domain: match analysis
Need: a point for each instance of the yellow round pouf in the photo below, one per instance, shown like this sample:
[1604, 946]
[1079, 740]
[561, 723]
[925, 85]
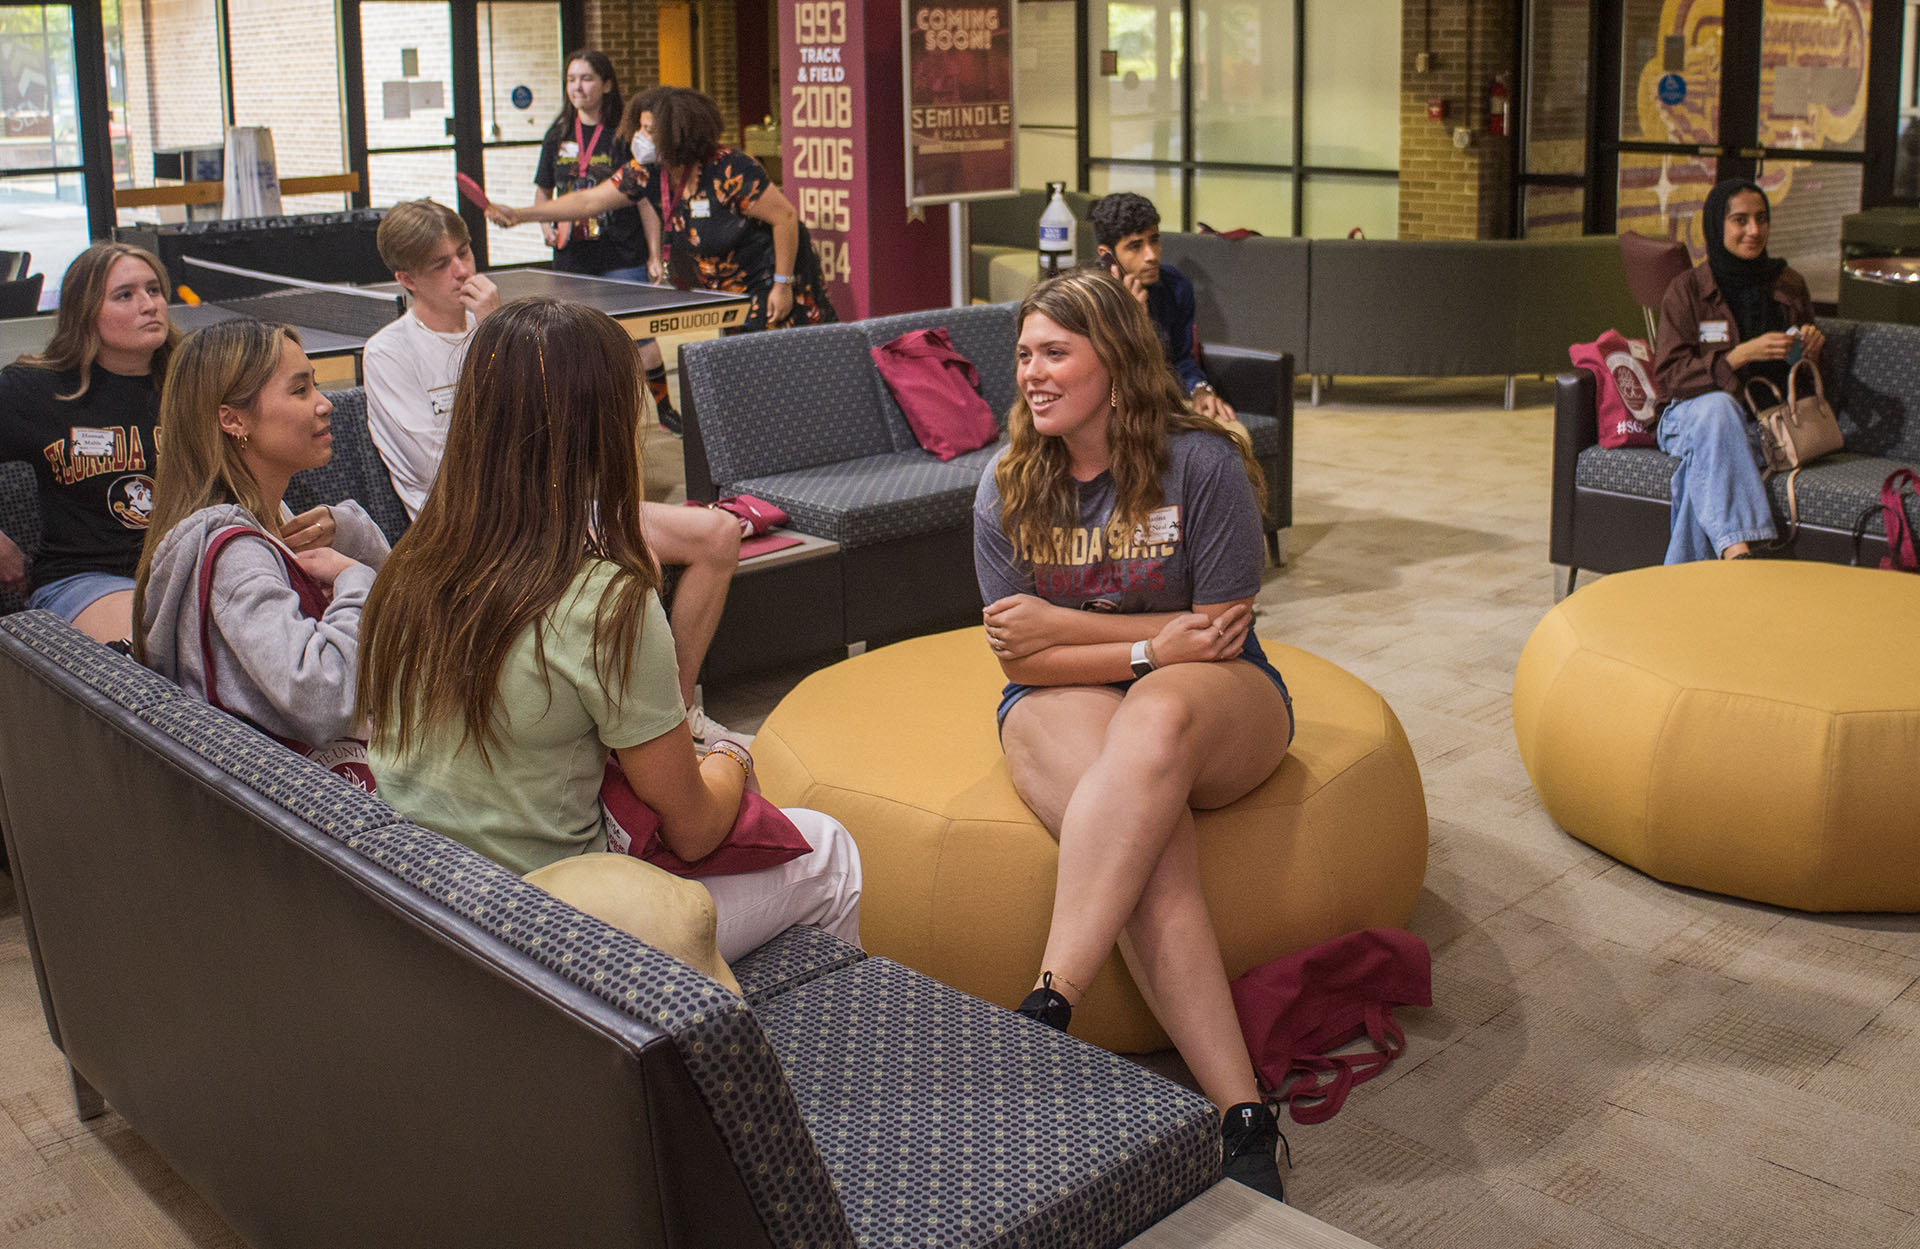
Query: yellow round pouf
[1751, 727]
[900, 746]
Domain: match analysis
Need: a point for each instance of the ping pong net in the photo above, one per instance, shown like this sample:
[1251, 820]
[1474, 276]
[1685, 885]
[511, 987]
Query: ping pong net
[294, 301]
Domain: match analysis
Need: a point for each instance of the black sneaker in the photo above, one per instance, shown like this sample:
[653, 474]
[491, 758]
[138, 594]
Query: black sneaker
[1249, 1135]
[1046, 1006]
[669, 418]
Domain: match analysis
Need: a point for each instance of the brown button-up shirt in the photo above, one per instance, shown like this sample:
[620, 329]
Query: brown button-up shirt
[1685, 367]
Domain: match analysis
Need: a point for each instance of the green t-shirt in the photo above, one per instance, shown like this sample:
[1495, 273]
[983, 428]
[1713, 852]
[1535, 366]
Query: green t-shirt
[540, 800]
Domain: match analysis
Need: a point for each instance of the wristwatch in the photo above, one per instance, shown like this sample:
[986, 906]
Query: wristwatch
[1198, 387]
[1141, 661]
[783, 279]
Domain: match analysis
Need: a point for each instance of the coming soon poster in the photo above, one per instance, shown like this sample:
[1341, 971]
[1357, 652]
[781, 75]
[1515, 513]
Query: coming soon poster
[959, 97]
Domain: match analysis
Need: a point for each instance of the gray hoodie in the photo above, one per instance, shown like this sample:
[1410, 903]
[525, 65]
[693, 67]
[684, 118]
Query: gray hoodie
[289, 674]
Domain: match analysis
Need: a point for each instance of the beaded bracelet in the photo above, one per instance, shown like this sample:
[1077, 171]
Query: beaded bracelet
[735, 752]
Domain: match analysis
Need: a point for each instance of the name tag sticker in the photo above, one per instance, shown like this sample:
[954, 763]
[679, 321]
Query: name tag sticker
[1713, 331]
[1163, 524]
[441, 397]
[702, 207]
[569, 150]
[90, 441]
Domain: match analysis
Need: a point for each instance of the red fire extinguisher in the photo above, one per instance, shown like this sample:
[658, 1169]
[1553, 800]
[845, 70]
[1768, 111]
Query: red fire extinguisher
[1499, 104]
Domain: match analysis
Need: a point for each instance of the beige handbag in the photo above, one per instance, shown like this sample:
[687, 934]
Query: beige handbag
[1798, 430]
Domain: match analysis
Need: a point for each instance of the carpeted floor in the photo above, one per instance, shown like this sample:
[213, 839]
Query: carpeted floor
[1610, 1061]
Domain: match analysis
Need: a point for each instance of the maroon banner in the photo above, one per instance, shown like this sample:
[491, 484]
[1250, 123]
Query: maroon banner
[823, 137]
[959, 88]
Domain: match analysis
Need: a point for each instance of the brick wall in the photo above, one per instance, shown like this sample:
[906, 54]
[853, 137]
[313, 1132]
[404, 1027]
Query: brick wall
[719, 63]
[1446, 192]
[628, 31]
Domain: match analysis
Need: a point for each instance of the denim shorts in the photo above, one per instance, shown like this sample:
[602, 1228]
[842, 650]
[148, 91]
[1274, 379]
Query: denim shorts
[1251, 652]
[69, 596]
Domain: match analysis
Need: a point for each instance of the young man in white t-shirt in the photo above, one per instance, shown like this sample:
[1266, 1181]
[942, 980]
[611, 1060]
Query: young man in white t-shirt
[411, 368]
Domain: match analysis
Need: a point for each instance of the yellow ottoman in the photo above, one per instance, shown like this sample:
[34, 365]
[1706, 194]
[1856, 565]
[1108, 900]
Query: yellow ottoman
[1749, 727]
[899, 745]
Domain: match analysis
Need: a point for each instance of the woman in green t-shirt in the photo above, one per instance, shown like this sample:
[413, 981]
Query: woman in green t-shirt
[516, 636]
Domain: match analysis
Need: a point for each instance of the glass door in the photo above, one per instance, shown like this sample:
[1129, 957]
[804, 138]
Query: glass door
[458, 86]
[43, 193]
[1774, 90]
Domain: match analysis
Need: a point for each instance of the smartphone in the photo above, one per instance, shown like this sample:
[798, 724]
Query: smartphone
[1797, 349]
[1111, 261]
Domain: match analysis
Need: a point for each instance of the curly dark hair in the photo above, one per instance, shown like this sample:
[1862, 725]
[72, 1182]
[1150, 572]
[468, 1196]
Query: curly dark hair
[686, 128]
[1120, 214]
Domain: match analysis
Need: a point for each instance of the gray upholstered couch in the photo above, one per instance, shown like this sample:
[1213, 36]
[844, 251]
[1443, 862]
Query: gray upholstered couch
[1611, 507]
[802, 418]
[1407, 308]
[343, 1029]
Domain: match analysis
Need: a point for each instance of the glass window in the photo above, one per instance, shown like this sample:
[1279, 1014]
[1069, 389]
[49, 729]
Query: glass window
[1808, 199]
[1334, 204]
[1232, 200]
[394, 176]
[1353, 85]
[1162, 186]
[291, 86]
[1043, 87]
[1813, 78]
[163, 78]
[1134, 82]
[512, 167]
[408, 70]
[1243, 81]
[1557, 86]
[37, 89]
[1554, 212]
[1670, 71]
[1661, 195]
[45, 214]
[520, 53]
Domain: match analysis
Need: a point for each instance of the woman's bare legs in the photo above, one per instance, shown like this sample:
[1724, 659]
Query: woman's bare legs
[1116, 779]
[108, 618]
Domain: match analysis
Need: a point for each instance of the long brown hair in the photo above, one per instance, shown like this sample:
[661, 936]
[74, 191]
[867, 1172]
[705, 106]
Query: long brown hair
[540, 476]
[225, 364]
[1037, 492]
[75, 344]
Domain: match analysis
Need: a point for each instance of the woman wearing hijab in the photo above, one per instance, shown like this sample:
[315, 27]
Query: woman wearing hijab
[1738, 315]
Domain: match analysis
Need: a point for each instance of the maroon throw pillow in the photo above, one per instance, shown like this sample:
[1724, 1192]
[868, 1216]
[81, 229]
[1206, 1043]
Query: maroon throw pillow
[762, 834]
[938, 391]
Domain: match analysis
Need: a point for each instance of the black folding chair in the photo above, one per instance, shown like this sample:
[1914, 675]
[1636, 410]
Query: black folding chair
[21, 298]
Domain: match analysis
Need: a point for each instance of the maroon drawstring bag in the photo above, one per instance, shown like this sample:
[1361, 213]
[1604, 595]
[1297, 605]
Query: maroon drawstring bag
[938, 391]
[1297, 1008]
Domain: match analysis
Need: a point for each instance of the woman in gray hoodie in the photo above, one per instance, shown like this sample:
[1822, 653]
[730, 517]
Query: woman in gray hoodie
[279, 639]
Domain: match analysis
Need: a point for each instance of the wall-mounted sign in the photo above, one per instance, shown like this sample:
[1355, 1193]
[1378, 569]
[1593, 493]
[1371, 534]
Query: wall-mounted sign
[823, 136]
[522, 97]
[958, 68]
[1671, 90]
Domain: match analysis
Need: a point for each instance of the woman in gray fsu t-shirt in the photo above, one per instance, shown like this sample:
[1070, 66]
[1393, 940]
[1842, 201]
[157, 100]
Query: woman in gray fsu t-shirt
[1117, 542]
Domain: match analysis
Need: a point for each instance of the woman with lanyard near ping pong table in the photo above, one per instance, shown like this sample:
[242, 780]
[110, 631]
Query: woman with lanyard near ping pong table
[578, 154]
[727, 226]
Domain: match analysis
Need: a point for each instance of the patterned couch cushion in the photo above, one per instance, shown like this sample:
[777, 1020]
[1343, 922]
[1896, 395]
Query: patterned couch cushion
[1880, 391]
[1638, 471]
[797, 956]
[880, 498]
[19, 520]
[1014, 1134]
[355, 472]
[770, 403]
[1833, 492]
[982, 333]
[717, 1037]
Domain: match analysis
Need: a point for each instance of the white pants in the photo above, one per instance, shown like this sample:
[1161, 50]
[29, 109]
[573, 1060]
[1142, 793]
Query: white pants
[821, 888]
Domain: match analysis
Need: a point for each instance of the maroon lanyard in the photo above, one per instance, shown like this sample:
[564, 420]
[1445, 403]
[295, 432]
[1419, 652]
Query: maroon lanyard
[584, 148]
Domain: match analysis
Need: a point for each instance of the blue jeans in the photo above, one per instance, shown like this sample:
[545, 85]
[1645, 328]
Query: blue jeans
[69, 596]
[1718, 497]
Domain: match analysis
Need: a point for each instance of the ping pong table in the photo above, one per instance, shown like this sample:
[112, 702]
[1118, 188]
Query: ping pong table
[643, 310]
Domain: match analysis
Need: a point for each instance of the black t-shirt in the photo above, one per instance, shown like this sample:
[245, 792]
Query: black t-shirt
[622, 243]
[94, 459]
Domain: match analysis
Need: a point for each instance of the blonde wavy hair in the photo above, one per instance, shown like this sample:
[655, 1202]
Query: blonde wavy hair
[1038, 495]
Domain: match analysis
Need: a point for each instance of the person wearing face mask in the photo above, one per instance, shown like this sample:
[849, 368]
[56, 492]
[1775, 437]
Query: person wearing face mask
[1738, 315]
[727, 227]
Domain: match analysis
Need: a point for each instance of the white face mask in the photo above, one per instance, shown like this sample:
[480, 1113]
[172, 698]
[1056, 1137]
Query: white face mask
[643, 149]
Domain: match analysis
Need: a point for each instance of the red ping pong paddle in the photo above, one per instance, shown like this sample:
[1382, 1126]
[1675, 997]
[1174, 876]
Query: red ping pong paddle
[473, 191]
